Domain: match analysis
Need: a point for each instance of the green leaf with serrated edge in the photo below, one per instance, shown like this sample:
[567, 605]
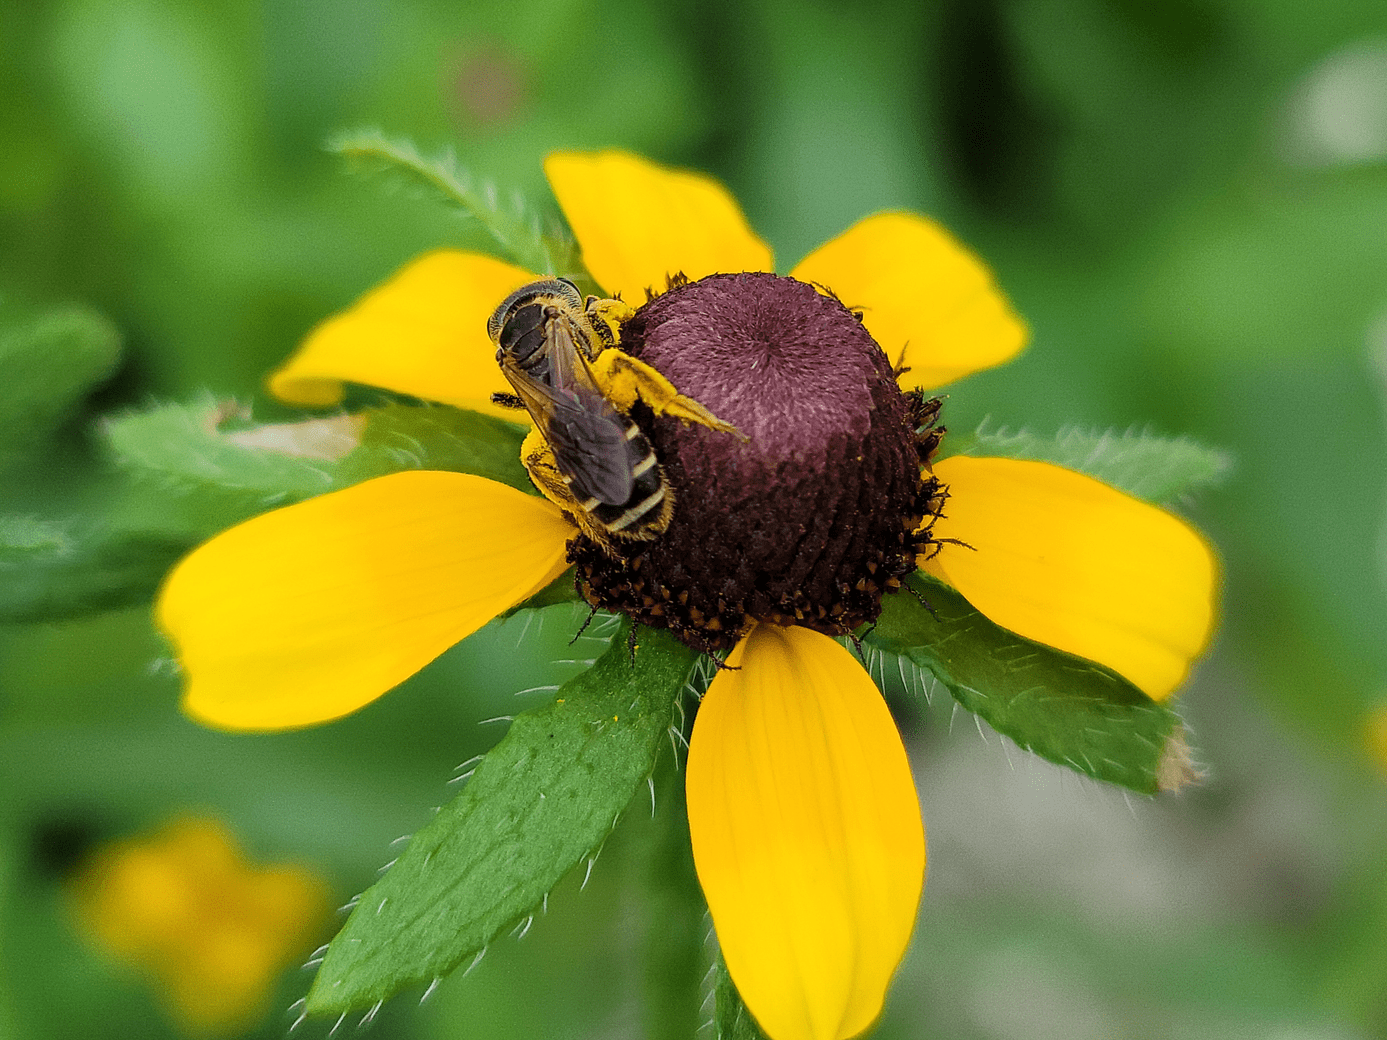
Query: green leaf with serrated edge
[183, 477]
[515, 228]
[183, 449]
[731, 1019]
[401, 436]
[540, 802]
[205, 477]
[1162, 470]
[1072, 711]
[49, 360]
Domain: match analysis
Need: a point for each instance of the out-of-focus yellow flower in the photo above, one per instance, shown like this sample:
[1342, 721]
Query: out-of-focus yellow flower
[212, 929]
[1375, 736]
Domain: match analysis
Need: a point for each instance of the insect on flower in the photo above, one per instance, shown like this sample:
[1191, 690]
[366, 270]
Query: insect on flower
[814, 492]
[587, 456]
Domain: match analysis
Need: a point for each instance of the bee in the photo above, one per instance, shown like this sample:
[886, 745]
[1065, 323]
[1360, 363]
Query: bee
[559, 353]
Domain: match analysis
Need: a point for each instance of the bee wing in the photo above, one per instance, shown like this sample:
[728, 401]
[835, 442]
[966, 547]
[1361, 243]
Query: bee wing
[591, 447]
[568, 357]
[585, 434]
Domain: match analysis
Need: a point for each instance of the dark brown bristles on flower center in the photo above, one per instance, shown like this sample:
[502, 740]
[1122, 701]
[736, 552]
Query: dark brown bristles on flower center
[811, 518]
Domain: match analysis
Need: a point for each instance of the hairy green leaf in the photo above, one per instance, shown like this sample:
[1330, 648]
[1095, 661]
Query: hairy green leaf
[1073, 712]
[543, 800]
[183, 452]
[182, 477]
[1162, 470]
[401, 436]
[514, 227]
[205, 477]
[179, 480]
[49, 360]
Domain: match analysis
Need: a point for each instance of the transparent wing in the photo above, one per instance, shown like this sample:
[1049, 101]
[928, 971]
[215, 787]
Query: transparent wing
[568, 366]
[586, 435]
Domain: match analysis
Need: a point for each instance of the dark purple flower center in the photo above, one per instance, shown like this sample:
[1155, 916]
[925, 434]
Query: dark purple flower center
[811, 518]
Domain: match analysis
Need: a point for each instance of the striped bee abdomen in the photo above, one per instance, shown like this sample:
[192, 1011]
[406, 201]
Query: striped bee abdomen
[645, 512]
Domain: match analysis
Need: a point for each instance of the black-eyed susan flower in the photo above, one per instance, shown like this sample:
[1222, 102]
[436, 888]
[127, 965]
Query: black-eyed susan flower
[803, 815]
[213, 930]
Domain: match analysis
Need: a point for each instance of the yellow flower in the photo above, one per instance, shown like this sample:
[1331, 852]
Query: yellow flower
[187, 908]
[803, 814]
[1375, 736]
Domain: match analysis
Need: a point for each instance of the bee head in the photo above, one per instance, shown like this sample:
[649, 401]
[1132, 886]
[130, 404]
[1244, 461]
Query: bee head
[557, 291]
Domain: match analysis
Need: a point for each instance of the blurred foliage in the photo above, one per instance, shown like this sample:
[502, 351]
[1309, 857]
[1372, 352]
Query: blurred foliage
[1186, 198]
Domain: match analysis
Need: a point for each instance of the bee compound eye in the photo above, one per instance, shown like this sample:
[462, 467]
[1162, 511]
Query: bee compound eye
[496, 323]
[568, 289]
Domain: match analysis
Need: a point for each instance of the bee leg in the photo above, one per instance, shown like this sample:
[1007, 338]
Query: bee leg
[631, 643]
[507, 400]
[544, 473]
[538, 460]
[857, 645]
[900, 368]
[606, 318]
[592, 613]
[624, 380]
[923, 602]
[720, 663]
[546, 476]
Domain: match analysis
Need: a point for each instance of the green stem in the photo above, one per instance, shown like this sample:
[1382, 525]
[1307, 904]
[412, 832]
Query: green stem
[675, 919]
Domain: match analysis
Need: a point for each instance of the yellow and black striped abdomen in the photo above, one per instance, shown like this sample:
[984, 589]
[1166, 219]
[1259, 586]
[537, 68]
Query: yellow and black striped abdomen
[646, 510]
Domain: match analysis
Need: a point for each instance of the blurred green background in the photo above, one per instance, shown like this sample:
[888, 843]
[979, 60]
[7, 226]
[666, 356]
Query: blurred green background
[1186, 198]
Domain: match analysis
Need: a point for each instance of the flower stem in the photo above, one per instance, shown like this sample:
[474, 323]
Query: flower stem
[675, 919]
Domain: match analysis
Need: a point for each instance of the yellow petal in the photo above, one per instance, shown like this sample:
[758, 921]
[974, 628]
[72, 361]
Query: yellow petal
[920, 292]
[638, 222]
[1068, 561]
[421, 333]
[307, 613]
[806, 833]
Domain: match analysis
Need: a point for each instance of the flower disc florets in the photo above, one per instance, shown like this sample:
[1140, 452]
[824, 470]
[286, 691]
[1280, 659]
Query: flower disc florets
[812, 517]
